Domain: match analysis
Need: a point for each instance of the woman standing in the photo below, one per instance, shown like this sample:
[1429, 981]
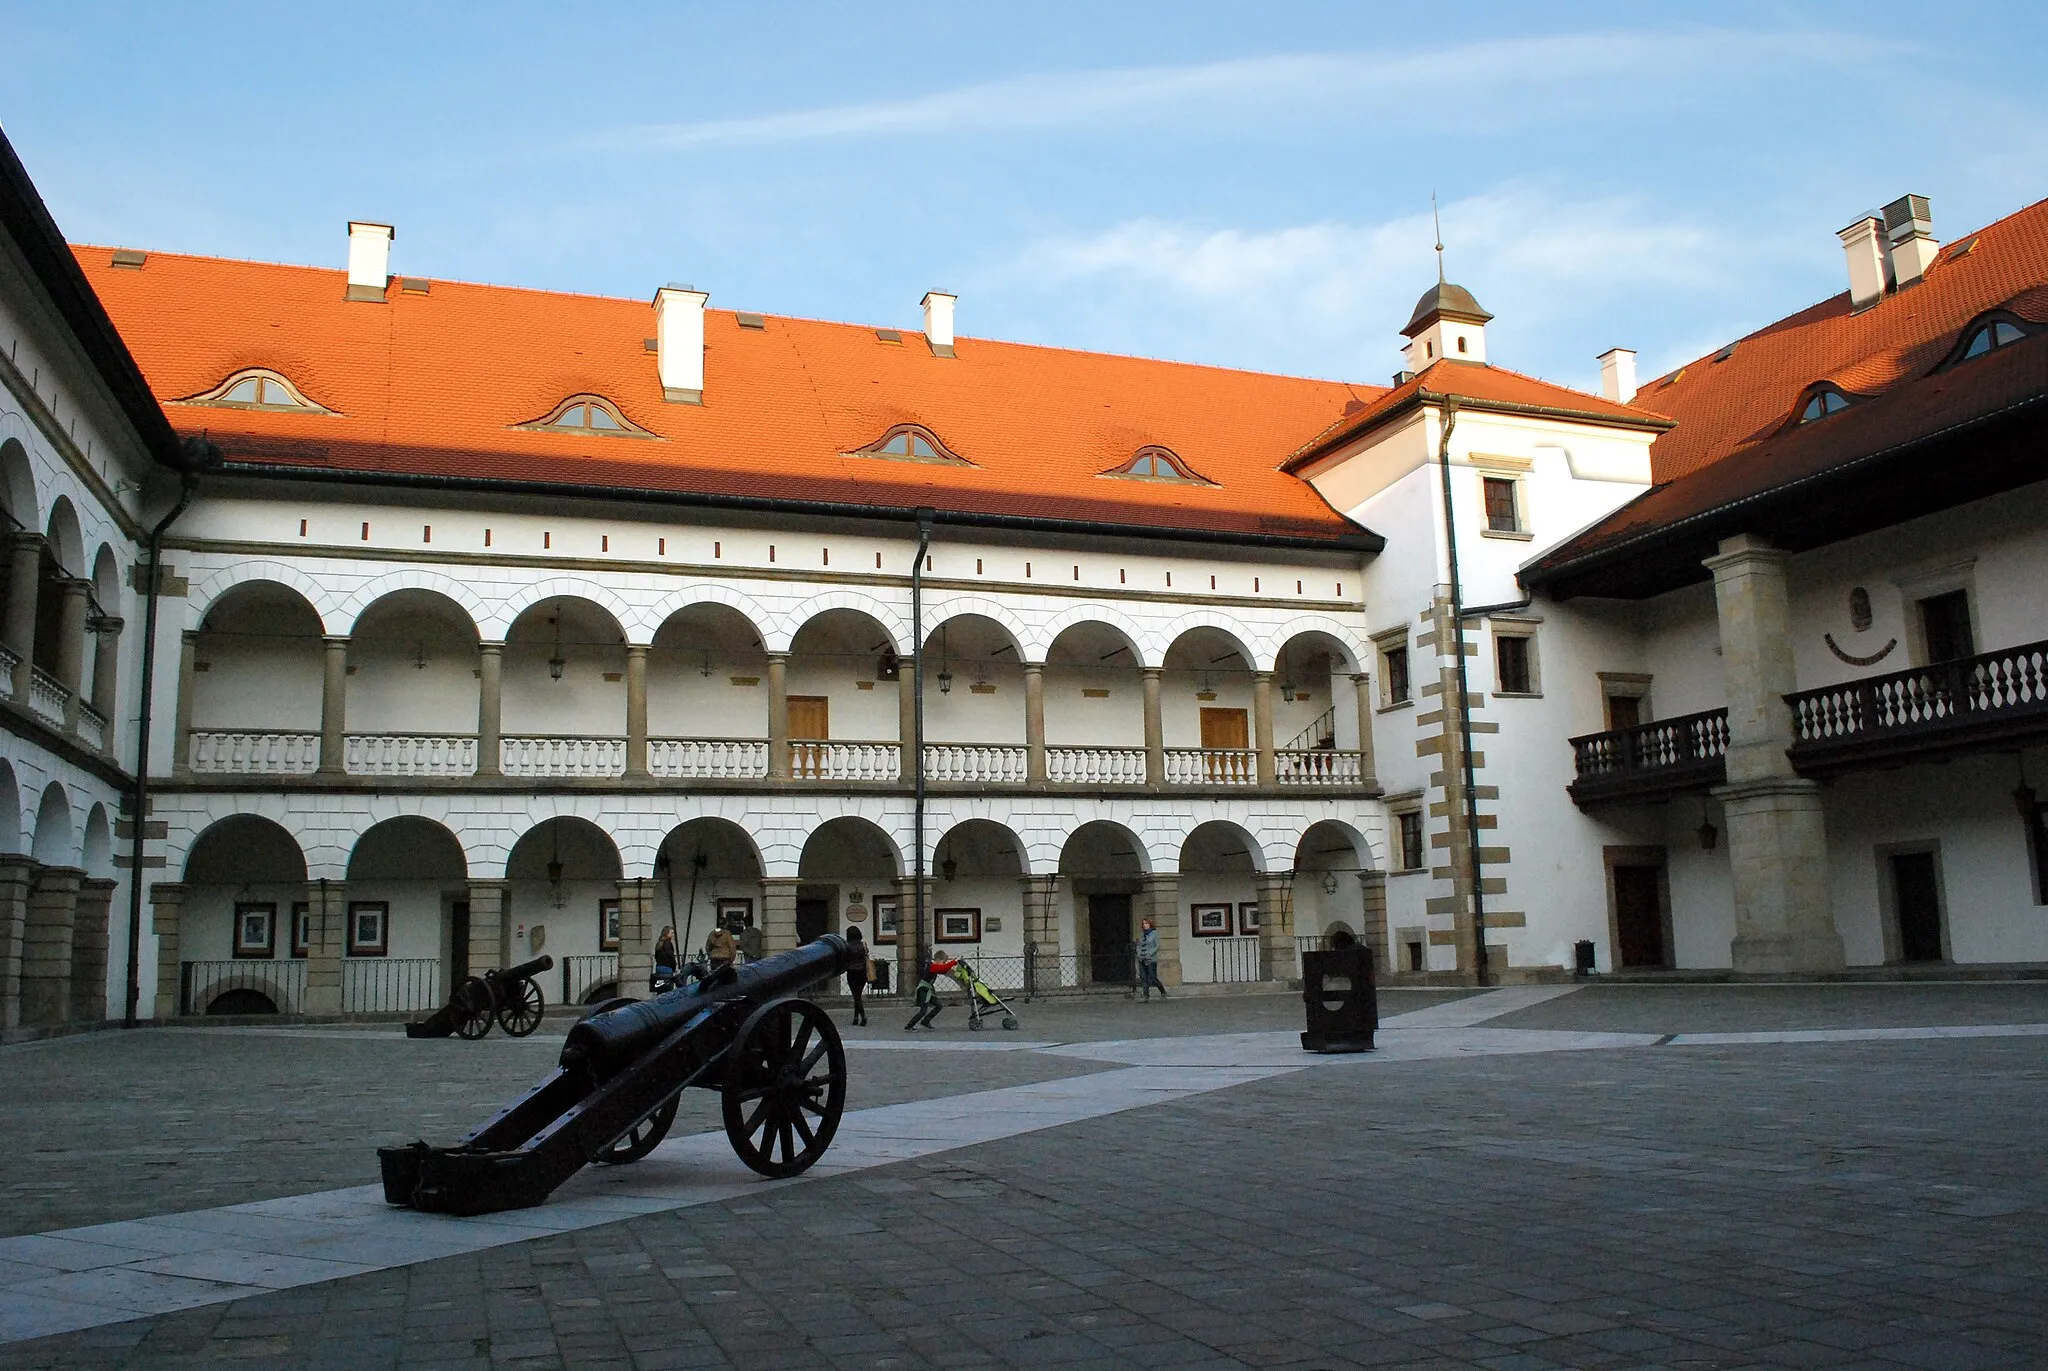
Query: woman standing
[857, 978]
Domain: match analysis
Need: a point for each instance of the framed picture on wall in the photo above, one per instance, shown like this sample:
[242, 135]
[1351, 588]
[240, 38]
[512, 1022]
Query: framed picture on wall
[885, 907]
[369, 928]
[255, 930]
[302, 929]
[1210, 920]
[608, 917]
[1248, 918]
[735, 911]
[957, 925]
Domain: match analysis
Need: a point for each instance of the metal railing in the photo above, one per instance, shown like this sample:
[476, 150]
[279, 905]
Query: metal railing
[1095, 765]
[974, 762]
[409, 754]
[1662, 757]
[1992, 695]
[1234, 960]
[10, 662]
[1318, 767]
[266, 754]
[542, 755]
[92, 728]
[844, 761]
[201, 985]
[46, 697]
[1212, 766]
[390, 985]
[722, 759]
[1310, 739]
[581, 973]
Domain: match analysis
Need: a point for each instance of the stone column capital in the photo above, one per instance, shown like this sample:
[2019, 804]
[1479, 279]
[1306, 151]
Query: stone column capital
[1743, 552]
[491, 649]
[25, 540]
[105, 623]
[637, 650]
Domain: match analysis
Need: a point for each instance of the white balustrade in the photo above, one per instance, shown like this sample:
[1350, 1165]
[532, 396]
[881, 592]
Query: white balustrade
[267, 754]
[46, 697]
[722, 759]
[541, 756]
[1095, 765]
[10, 662]
[1318, 767]
[974, 762]
[92, 729]
[1211, 766]
[847, 761]
[409, 754]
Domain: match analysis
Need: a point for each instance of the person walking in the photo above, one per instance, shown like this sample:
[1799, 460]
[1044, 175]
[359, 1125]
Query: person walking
[857, 978]
[753, 946]
[928, 1004]
[720, 947]
[1148, 962]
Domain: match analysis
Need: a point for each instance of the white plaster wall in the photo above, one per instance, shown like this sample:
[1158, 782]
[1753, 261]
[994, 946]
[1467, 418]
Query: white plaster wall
[1197, 962]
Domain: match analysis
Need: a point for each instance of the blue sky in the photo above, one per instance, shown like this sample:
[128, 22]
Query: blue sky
[1246, 185]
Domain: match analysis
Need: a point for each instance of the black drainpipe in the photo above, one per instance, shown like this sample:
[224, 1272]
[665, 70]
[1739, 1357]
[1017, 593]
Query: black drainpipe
[924, 542]
[1457, 630]
[198, 453]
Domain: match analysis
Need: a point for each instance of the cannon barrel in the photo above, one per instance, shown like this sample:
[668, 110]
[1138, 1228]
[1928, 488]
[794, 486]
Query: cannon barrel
[606, 1044]
[525, 971]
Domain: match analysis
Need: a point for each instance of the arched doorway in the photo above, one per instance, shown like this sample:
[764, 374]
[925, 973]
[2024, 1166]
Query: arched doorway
[407, 930]
[562, 893]
[1103, 867]
[1219, 904]
[976, 898]
[707, 871]
[242, 937]
[1339, 889]
[847, 864]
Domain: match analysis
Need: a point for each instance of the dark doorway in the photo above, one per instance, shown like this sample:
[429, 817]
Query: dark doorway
[458, 942]
[1109, 940]
[1639, 915]
[1918, 900]
[1624, 711]
[813, 919]
[1945, 619]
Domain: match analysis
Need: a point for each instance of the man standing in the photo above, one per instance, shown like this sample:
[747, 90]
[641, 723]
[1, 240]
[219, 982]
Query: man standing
[1148, 962]
[720, 946]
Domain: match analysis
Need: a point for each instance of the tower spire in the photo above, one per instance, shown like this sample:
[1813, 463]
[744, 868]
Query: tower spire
[1438, 220]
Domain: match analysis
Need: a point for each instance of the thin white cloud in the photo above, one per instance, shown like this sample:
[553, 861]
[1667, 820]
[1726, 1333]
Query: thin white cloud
[1427, 86]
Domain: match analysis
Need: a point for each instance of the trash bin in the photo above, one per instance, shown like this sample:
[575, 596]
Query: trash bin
[1582, 957]
[1337, 990]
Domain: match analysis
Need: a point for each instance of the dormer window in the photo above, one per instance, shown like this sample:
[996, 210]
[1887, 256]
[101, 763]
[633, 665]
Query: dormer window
[1989, 336]
[257, 388]
[588, 414]
[1820, 403]
[911, 443]
[1158, 464]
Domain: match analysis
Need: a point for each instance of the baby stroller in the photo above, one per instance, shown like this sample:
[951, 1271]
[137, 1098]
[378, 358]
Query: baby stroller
[980, 999]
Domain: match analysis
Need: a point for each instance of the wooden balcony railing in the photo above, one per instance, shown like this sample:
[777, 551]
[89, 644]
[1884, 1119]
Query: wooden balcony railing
[844, 761]
[996, 764]
[409, 754]
[1211, 766]
[1095, 765]
[720, 759]
[1991, 700]
[1654, 760]
[1318, 767]
[214, 753]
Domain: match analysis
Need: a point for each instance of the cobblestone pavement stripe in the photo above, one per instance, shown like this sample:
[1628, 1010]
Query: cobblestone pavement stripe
[1860, 1035]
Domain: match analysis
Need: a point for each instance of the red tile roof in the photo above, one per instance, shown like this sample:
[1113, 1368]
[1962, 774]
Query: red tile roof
[434, 383]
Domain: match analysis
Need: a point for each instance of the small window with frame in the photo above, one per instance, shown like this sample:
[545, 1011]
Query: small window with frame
[369, 928]
[1503, 497]
[1514, 661]
[1395, 686]
[255, 930]
[302, 929]
[610, 915]
[1408, 823]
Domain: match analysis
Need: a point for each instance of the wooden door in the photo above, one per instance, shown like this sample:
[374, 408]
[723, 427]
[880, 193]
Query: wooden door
[1624, 711]
[1917, 899]
[458, 942]
[1224, 728]
[1639, 915]
[810, 721]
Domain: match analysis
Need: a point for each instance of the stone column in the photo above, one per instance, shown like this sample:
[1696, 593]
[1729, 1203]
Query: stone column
[333, 705]
[636, 935]
[490, 926]
[181, 732]
[1262, 725]
[106, 669]
[636, 709]
[16, 875]
[1155, 734]
[166, 920]
[23, 581]
[1040, 897]
[1276, 924]
[490, 697]
[70, 671]
[778, 730]
[327, 903]
[46, 945]
[778, 913]
[89, 951]
[1034, 722]
[1777, 836]
[1160, 902]
[906, 938]
[1373, 930]
[1368, 773]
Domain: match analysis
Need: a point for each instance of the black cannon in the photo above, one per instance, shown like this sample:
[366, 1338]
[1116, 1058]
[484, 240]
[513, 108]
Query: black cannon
[512, 997]
[776, 1059]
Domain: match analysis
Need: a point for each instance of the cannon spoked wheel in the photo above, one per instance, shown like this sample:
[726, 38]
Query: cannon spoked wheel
[472, 1005]
[785, 1087]
[643, 1136]
[520, 1014]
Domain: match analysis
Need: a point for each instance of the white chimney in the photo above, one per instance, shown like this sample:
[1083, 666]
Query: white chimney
[1868, 269]
[938, 321]
[369, 259]
[1909, 225]
[1618, 375]
[679, 343]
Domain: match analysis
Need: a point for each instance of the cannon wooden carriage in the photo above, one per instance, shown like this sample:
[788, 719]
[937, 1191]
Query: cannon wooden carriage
[511, 998]
[776, 1060]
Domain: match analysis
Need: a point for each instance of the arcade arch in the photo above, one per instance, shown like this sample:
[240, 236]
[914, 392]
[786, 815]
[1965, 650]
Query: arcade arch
[707, 678]
[257, 663]
[564, 673]
[413, 666]
[847, 863]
